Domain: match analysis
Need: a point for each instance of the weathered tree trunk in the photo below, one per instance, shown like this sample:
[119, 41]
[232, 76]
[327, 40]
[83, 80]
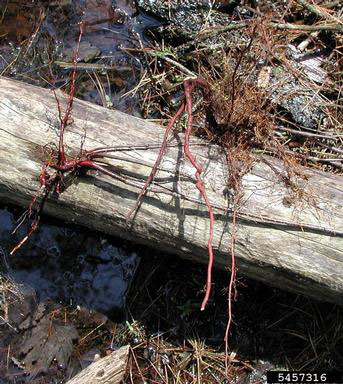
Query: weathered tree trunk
[108, 370]
[291, 244]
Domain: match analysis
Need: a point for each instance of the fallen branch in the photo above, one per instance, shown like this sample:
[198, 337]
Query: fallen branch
[307, 28]
[334, 27]
[308, 134]
[316, 10]
[109, 369]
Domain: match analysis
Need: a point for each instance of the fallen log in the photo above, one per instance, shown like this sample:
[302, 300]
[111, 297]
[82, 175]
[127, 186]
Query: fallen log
[292, 244]
[107, 370]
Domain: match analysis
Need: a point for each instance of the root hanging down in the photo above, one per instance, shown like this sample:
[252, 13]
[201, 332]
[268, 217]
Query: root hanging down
[189, 86]
[186, 106]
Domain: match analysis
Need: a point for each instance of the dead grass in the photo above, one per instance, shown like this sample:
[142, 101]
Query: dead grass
[9, 293]
[163, 362]
[269, 88]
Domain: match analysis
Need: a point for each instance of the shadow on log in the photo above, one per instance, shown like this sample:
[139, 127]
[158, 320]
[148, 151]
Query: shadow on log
[293, 245]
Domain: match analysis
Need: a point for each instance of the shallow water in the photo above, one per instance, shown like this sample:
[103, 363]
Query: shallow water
[68, 265]
[38, 41]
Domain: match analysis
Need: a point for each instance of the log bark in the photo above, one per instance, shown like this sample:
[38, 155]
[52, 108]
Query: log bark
[107, 370]
[292, 244]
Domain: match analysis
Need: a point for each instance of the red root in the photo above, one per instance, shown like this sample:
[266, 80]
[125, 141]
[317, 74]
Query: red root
[67, 114]
[157, 162]
[189, 86]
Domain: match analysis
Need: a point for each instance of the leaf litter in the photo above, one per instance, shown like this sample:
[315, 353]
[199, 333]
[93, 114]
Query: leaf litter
[48, 341]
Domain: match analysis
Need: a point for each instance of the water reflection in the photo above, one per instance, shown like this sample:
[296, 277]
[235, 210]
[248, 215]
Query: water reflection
[38, 41]
[69, 266]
